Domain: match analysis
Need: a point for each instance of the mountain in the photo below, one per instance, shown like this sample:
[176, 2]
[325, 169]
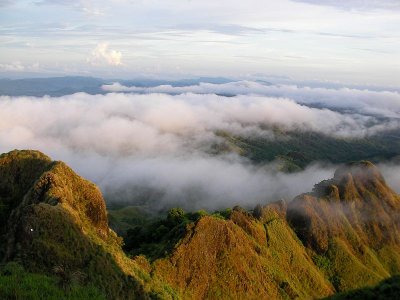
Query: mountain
[67, 85]
[297, 149]
[353, 223]
[341, 236]
[55, 86]
[57, 225]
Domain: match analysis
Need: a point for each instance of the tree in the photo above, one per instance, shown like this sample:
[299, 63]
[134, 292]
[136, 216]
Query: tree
[175, 216]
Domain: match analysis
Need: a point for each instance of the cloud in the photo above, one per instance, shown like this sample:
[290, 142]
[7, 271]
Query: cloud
[391, 173]
[377, 103]
[204, 182]
[88, 7]
[17, 66]
[356, 4]
[103, 55]
[159, 147]
[4, 3]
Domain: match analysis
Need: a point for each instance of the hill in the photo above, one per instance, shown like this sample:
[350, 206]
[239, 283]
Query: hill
[297, 149]
[351, 224]
[341, 236]
[57, 225]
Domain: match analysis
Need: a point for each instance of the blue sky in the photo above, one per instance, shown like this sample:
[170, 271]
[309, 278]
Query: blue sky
[353, 41]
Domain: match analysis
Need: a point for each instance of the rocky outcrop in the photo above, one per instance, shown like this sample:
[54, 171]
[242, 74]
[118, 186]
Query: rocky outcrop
[353, 221]
[56, 220]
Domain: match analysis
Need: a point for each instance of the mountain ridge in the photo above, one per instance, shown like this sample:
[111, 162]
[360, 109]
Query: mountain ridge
[341, 236]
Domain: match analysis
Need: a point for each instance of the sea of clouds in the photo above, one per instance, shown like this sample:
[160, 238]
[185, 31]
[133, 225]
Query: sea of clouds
[155, 144]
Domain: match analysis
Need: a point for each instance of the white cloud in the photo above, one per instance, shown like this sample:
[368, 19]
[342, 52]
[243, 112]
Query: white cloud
[356, 4]
[378, 103]
[158, 147]
[14, 67]
[199, 181]
[103, 55]
[17, 66]
[391, 173]
[4, 3]
[223, 38]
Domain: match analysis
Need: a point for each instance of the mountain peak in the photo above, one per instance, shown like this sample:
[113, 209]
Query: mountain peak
[361, 171]
[52, 218]
[352, 181]
[355, 205]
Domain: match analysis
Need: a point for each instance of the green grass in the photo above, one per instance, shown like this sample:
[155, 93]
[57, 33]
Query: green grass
[121, 219]
[16, 283]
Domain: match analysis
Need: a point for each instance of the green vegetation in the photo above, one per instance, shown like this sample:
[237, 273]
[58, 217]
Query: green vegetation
[342, 236]
[120, 219]
[58, 226]
[295, 150]
[16, 283]
[388, 289]
[157, 237]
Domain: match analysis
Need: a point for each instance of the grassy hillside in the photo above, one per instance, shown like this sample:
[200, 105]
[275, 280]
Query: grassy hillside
[297, 149]
[242, 258]
[57, 225]
[56, 241]
[342, 236]
[17, 283]
[350, 224]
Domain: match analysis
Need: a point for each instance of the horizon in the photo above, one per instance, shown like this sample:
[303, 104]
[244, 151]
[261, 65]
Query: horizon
[355, 43]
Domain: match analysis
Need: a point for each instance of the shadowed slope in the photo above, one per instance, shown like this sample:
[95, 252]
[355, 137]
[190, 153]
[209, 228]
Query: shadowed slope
[58, 224]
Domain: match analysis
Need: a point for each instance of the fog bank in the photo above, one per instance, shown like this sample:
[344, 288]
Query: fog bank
[158, 148]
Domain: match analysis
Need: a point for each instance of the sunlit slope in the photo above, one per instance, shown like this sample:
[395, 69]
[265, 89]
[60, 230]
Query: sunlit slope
[58, 226]
[351, 225]
[343, 235]
[242, 257]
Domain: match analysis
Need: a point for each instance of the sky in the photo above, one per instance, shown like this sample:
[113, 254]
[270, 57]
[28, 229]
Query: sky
[353, 41]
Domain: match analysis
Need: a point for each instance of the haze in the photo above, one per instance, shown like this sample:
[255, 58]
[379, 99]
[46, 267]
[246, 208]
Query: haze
[343, 41]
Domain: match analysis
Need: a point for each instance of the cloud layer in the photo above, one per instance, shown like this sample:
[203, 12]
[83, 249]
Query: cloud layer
[368, 102]
[159, 147]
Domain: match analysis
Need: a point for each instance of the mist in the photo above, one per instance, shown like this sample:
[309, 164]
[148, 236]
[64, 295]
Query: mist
[376, 103]
[158, 148]
[206, 182]
[391, 173]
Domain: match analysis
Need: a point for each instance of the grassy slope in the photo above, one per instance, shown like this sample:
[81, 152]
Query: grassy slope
[297, 149]
[349, 238]
[242, 257]
[16, 283]
[350, 225]
[61, 222]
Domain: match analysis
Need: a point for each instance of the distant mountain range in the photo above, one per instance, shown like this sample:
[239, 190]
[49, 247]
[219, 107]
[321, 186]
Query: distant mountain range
[343, 235]
[61, 86]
